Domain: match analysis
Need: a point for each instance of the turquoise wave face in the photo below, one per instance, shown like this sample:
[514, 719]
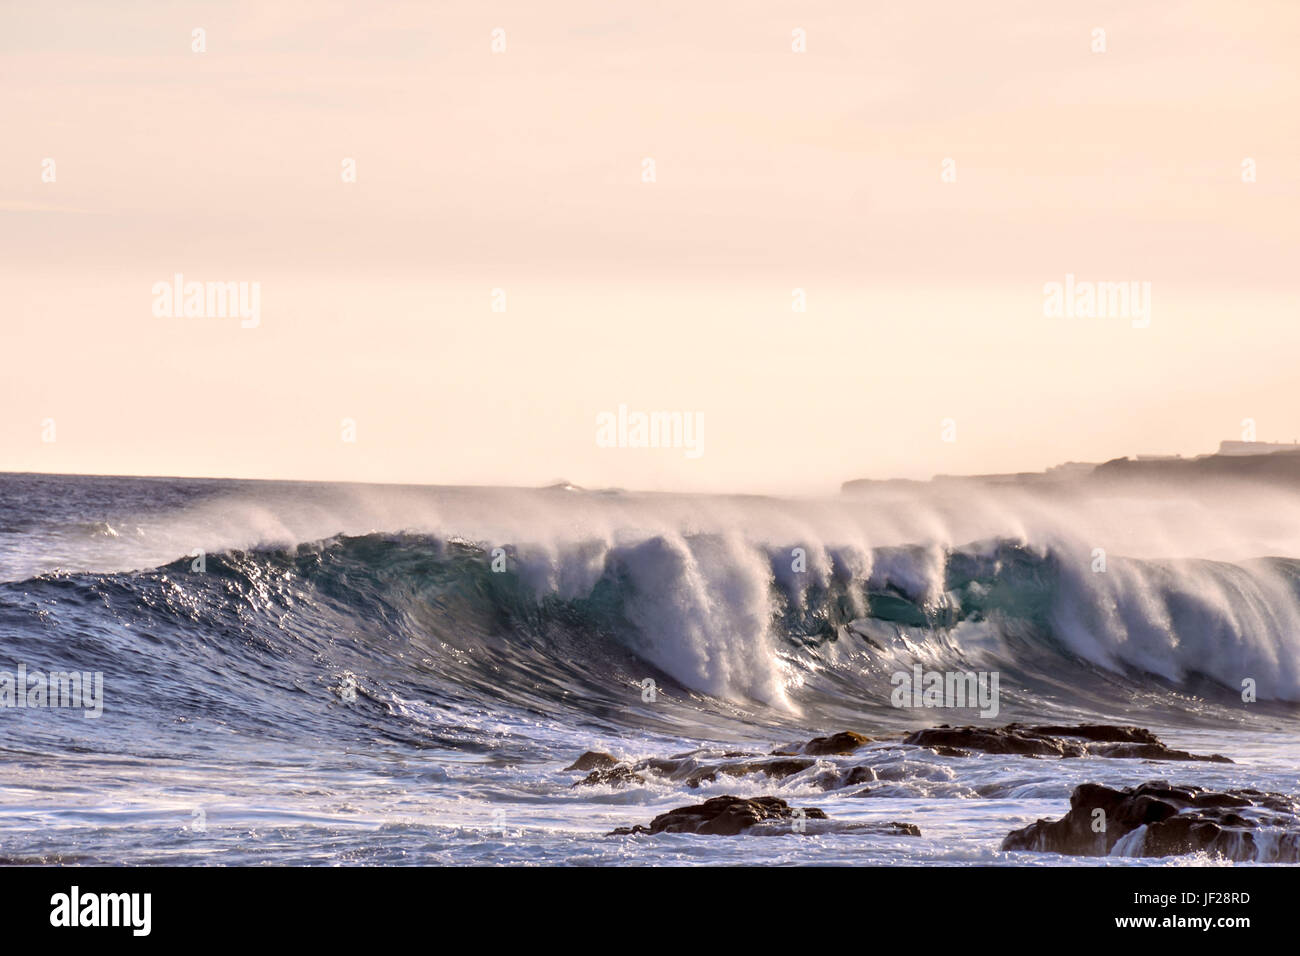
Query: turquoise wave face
[250, 636]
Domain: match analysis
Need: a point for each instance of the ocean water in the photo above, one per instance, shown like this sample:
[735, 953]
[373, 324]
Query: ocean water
[348, 674]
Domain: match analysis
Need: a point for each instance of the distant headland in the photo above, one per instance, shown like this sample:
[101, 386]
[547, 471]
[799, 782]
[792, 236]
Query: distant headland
[1235, 460]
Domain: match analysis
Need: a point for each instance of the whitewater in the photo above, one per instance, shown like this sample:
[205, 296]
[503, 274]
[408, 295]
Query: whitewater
[330, 673]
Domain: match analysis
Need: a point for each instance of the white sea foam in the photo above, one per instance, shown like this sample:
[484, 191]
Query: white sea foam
[703, 567]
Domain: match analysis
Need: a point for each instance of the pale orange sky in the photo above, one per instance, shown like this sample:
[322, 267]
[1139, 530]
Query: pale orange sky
[521, 170]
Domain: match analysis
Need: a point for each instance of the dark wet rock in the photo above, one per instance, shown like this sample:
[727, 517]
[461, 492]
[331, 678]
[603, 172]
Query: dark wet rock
[1098, 740]
[942, 750]
[593, 760]
[728, 816]
[615, 776]
[1101, 733]
[841, 744]
[1238, 825]
[1156, 751]
[722, 816]
[996, 740]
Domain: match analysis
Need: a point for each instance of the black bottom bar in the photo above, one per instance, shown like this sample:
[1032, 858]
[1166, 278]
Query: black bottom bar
[1032, 906]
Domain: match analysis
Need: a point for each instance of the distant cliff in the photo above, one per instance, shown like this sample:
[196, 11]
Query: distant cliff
[1277, 466]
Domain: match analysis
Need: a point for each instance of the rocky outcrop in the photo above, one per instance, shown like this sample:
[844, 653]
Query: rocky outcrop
[1101, 733]
[1156, 819]
[723, 816]
[593, 760]
[728, 816]
[1155, 751]
[1098, 740]
[841, 744]
[822, 761]
[615, 776]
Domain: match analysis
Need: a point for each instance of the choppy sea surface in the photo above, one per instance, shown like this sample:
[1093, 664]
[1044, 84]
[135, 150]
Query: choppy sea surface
[299, 673]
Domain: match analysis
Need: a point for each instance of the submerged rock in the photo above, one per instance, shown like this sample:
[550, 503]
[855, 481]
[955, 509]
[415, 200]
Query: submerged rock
[857, 776]
[722, 816]
[614, 776]
[772, 768]
[889, 829]
[1098, 740]
[1156, 819]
